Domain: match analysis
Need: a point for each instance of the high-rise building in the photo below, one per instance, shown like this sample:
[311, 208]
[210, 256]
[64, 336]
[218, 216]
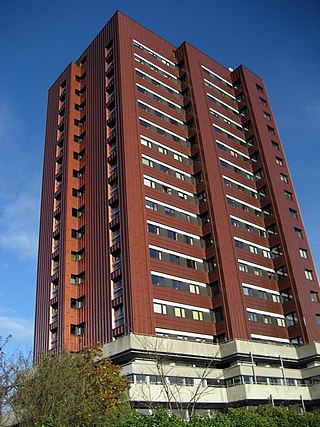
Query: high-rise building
[168, 212]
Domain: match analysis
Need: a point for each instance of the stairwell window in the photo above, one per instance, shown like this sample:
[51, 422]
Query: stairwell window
[303, 253]
[308, 274]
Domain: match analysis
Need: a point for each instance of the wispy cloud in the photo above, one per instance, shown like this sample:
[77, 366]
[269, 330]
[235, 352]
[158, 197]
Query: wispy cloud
[20, 328]
[19, 193]
[19, 225]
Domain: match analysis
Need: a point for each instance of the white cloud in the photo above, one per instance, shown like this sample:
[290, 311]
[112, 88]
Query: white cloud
[20, 328]
[19, 225]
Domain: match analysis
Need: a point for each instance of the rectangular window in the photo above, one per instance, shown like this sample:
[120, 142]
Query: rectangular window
[179, 312]
[303, 253]
[266, 115]
[151, 205]
[298, 233]
[318, 319]
[281, 322]
[253, 249]
[279, 161]
[159, 308]
[155, 254]
[172, 235]
[283, 177]
[197, 315]
[194, 289]
[164, 169]
[271, 130]
[153, 229]
[308, 274]
[263, 101]
[149, 183]
[275, 145]
[259, 88]
[167, 190]
[252, 316]
[288, 195]
[314, 296]
[243, 268]
[174, 259]
[157, 280]
[177, 157]
[293, 213]
[147, 162]
[162, 150]
[182, 195]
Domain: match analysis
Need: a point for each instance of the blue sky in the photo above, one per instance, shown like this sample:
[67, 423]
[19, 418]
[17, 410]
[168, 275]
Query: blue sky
[279, 40]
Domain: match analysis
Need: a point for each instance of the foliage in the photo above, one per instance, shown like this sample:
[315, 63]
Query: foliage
[68, 389]
[264, 416]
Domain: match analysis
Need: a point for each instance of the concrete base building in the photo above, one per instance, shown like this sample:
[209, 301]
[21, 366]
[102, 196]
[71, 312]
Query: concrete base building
[168, 212]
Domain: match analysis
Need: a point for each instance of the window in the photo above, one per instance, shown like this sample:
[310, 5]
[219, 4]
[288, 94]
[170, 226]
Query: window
[291, 319]
[318, 319]
[159, 308]
[279, 161]
[157, 280]
[147, 162]
[172, 235]
[298, 233]
[303, 253]
[243, 268]
[239, 244]
[146, 143]
[259, 88]
[164, 169]
[197, 315]
[179, 312]
[174, 259]
[180, 176]
[286, 295]
[314, 296]
[271, 130]
[293, 213]
[162, 150]
[77, 329]
[153, 229]
[288, 195]
[169, 211]
[266, 115]
[177, 157]
[252, 316]
[155, 254]
[182, 195]
[149, 183]
[275, 145]
[151, 205]
[188, 240]
[308, 274]
[253, 249]
[248, 291]
[176, 284]
[263, 101]
[194, 289]
[167, 190]
[283, 177]
[191, 263]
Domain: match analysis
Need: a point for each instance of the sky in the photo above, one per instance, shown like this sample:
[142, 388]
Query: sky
[278, 40]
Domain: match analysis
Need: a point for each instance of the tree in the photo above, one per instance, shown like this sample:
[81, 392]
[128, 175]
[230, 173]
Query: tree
[178, 397]
[10, 367]
[69, 389]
